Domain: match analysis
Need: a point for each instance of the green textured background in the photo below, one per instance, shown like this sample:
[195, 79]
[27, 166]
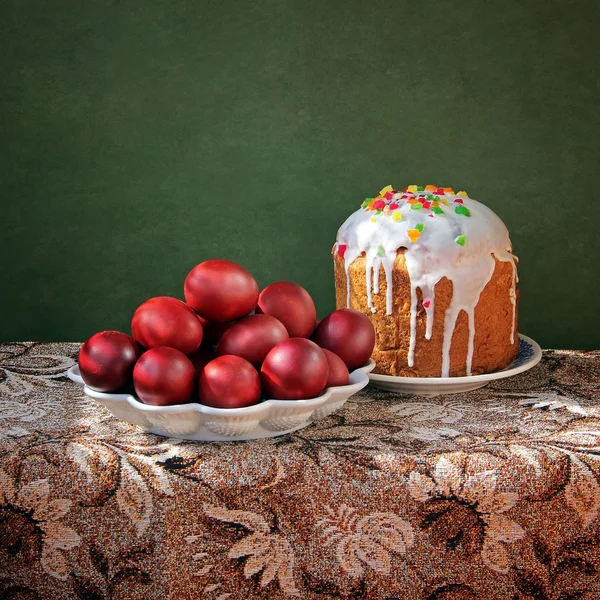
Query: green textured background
[139, 138]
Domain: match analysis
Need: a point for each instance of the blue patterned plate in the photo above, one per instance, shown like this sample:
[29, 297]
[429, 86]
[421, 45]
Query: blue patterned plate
[529, 355]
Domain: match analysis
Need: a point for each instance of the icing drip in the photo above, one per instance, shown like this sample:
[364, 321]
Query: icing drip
[513, 300]
[376, 266]
[458, 240]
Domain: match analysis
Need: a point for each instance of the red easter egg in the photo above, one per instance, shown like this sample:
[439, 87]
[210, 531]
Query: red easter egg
[292, 305]
[252, 337]
[338, 371]
[106, 361]
[164, 376]
[229, 382]
[166, 321]
[294, 369]
[221, 290]
[349, 334]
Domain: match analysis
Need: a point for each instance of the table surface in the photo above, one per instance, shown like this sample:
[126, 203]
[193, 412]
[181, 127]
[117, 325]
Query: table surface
[490, 494]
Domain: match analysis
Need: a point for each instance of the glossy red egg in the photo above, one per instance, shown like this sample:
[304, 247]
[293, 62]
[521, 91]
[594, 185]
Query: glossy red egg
[349, 334]
[166, 321]
[229, 382]
[221, 290]
[252, 337]
[338, 371]
[294, 369]
[164, 376]
[291, 304]
[106, 361]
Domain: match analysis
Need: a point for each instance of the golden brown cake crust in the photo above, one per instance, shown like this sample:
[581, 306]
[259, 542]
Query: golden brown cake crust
[493, 322]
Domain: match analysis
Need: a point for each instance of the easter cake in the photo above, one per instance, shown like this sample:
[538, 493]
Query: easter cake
[434, 272]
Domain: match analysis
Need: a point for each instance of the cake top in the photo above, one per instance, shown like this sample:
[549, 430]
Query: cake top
[425, 216]
[445, 234]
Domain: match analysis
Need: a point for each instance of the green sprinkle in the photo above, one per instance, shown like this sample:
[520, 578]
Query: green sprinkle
[380, 251]
[462, 210]
[420, 188]
[430, 197]
[461, 240]
[420, 226]
[368, 200]
[416, 206]
[379, 212]
[437, 210]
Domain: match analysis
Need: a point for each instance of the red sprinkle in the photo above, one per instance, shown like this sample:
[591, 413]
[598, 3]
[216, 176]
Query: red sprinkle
[378, 204]
[440, 191]
[426, 303]
[342, 250]
[426, 204]
[458, 201]
[431, 215]
[393, 206]
[389, 195]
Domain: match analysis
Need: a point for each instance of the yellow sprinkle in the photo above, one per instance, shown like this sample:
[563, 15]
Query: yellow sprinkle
[430, 188]
[413, 234]
[397, 216]
[412, 189]
[463, 194]
[444, 201]
[373, 219]
[385, 190]
[448, 190]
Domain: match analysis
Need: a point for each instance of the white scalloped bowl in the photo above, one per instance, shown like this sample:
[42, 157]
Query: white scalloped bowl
[195, 421]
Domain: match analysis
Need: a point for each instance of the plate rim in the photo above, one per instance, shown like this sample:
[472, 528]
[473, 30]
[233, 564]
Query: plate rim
[484, 378]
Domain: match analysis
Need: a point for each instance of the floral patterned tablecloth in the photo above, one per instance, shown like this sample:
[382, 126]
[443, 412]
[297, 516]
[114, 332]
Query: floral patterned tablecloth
[491, 494]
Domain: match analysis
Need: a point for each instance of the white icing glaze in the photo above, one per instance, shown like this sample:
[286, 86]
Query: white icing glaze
[435, 254]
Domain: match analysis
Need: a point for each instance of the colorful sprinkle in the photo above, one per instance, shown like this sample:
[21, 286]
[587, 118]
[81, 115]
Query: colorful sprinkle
[419, 226]
[373, 219]
[462, 210]
[394, 206]
[437, 210]
[458, 200]
[463, 194]
[413, 234]
[380, 250]
[341, 250]
[461, 240]
[430, 197]
[397, 216]
[420, 188]
[444, 201]
[431, 215]
[430, 188]
[435, 203]
[387, 188]
[417, 206]
[440, 191]
[378, 204]
[426, 303]
[412, 189]
[427, 204]
[386, 211]
[448, 191]
[412, 200]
